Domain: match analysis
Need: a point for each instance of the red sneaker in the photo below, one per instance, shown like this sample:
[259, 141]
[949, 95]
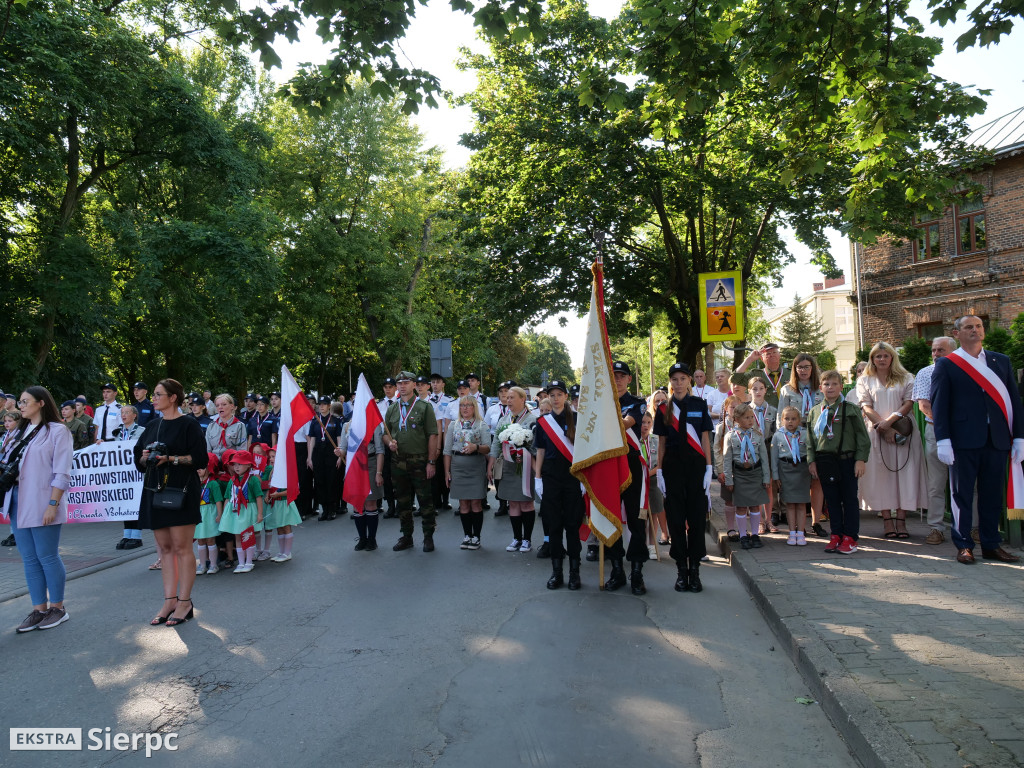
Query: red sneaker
[833, 543]
[847, 547]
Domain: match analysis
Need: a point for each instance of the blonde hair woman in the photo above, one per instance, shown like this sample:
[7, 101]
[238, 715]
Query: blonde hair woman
[894, 481]
[466, 445]
[521, 512]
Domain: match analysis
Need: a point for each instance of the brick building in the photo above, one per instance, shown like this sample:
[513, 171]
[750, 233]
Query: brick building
[968, 260]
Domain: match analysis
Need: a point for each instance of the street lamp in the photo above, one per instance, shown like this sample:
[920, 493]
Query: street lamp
[349, 374]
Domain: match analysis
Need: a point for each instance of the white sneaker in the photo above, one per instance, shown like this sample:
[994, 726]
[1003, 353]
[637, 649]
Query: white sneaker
[474, 543]
[791, 541]
[200, 568]
[263, 556]
[514, 546]
[465, 542]
[525, 546]
[212, 569]
[280, 558]
[652, 552]
[801, 540]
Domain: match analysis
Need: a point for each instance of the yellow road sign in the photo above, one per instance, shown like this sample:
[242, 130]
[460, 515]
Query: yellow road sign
[721, 306]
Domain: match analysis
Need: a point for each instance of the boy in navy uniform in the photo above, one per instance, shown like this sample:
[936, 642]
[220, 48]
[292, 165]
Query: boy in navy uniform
[143, 404]
[684, 474]
[632, 409]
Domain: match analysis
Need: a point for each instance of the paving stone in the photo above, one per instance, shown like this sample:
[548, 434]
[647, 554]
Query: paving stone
[923, 732]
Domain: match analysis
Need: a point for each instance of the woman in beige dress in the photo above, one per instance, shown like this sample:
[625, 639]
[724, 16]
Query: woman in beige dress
[894, 481]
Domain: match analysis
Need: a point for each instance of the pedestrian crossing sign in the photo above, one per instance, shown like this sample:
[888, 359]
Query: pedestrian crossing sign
[721, 306]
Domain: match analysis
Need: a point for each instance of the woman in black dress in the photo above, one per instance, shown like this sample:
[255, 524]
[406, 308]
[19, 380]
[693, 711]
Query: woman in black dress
[172, 466]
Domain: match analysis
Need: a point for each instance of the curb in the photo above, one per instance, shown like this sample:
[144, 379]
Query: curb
[872, 740]
[89, 570]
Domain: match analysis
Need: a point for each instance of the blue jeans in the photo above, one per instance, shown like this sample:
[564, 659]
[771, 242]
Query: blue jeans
[44, 570]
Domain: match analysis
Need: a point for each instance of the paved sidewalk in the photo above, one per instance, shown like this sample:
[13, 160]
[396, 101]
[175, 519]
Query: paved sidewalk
[916, 658]
[84, 547]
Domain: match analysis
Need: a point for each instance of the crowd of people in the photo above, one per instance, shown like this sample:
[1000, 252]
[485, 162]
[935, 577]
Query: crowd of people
[781, 441]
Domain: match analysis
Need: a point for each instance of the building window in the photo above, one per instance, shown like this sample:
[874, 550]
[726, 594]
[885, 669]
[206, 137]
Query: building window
[970, 227]
[928, 243]
[929, 331]
[844, 321]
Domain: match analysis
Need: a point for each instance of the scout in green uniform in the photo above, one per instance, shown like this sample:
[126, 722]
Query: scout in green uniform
[79, 432]
[410, 434]
[837, 451]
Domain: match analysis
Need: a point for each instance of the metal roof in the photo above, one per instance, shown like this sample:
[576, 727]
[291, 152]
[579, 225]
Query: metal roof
[1004, 134]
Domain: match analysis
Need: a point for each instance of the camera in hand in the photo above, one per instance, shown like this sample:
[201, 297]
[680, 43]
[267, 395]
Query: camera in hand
[8, 475]
[156, 450]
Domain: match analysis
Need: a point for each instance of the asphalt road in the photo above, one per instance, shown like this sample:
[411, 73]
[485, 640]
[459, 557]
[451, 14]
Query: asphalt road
[455, 658]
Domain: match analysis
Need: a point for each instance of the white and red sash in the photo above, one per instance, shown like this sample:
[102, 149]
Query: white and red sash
[554, 432]
[691, 432]
[645, 491]
[994, 387]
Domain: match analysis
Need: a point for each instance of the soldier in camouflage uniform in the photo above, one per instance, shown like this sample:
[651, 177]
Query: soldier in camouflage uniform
[410, 434]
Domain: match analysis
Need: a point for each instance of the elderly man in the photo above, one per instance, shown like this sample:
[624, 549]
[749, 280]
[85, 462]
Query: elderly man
[774, 372]
[938, 474]
[979, 424]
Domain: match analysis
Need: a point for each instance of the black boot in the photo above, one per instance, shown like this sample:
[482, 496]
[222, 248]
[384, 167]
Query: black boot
[574, 573]
[636, 579]
[556, 573]
[617, 578]
[591, 553]
[695, 585]
[682, 578]
[544, 550]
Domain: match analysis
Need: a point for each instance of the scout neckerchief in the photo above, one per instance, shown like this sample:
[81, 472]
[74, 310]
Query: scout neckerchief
[204, 494]
[793, 441]
[224, 430]
[746, 445]
[825, 425]
[239, 492]
[994, 387]
[405, 409]
[774, 381]
[808, 398]
[759, 412]
[557, 437]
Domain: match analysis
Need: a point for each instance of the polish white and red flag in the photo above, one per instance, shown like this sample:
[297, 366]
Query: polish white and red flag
[599, 451]
[296, 412]
[365, 419]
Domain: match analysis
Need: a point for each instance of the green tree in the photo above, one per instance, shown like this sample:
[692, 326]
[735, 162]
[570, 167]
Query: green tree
[1017, 345]
[802, 332]
[547, 358]
[915, 354]
[679, 146]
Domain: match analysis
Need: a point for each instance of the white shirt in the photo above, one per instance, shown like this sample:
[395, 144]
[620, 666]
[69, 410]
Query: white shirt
[441, 403]
[108, 417]
[302, 432]
[384, 403]
[494, 414]
[211, 408]
[714, 399]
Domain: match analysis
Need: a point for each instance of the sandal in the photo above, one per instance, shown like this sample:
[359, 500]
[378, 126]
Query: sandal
[156, 567]
[161, 619]
[663, 542]
[174, 621]
[733, 534]
[901, 528]
[818, 530]
[890, 527]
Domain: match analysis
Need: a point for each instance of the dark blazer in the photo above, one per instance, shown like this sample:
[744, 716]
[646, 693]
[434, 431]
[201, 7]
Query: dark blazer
[960, 407]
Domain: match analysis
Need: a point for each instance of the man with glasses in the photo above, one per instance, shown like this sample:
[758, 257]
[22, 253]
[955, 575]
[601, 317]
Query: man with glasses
[937, 472]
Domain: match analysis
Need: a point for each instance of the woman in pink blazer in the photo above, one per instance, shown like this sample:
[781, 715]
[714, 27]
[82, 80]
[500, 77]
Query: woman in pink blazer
[37, 507]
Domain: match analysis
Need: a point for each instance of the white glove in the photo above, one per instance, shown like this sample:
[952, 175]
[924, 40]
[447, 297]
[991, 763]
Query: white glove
[538, 488]
[1017, 452]
[707, 478]
[944, 448]
[660, 478]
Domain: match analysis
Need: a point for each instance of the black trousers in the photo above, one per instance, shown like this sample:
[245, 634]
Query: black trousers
[563, 509]
[304, 502]
[839, 485]
[389, 488]
[637, 552]
[325, 477]
[985, 468]
[685, 505]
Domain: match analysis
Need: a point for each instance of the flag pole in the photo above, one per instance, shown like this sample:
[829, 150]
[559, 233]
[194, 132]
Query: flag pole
[600, 564]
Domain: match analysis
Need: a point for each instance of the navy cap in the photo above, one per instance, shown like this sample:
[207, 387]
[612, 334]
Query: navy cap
[436, 376]
[67, 404]
[508, 384]
[473, 376]
[557, 384]
[263, 399]
[81, 400]
[251, 396]
[574, 390]
[422, 380]
[140, 385]
[275, 394]
[621, 367]
[324, 400]
[679, 368]
[390, 381]
[195, 399]
[462, 383]
[109, 386]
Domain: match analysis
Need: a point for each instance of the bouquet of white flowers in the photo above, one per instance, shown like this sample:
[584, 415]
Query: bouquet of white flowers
[515, 438]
